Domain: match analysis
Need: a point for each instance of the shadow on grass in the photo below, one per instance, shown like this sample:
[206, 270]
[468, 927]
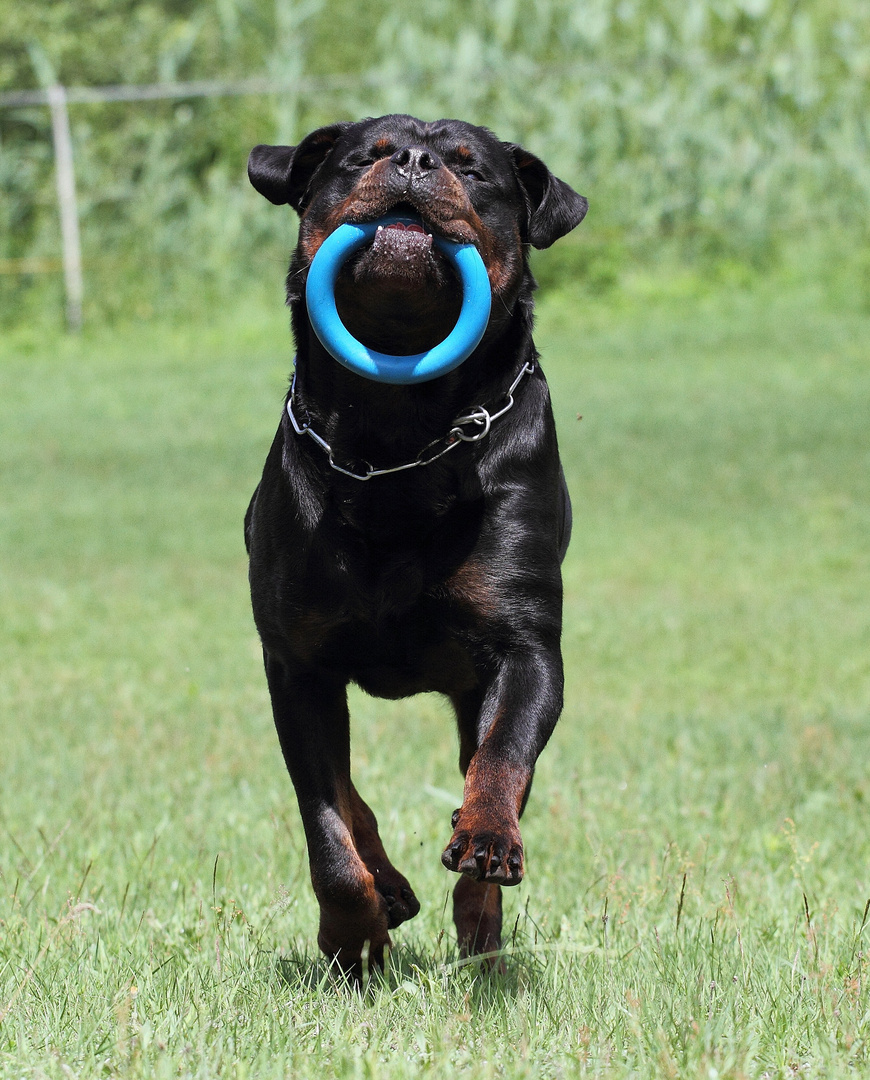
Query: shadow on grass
[480, 981]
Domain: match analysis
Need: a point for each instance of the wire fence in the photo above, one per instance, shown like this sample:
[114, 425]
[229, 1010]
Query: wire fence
[93, 95]
[721, 132]
[58, 98]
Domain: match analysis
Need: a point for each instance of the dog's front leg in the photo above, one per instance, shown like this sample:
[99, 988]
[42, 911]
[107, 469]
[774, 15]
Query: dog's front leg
[502, 731]
[311, 717]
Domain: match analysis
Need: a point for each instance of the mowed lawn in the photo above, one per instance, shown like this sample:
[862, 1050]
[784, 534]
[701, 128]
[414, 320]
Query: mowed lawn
[698, 837]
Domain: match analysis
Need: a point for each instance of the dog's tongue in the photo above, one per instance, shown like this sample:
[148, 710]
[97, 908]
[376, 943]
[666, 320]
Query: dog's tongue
[401, 241]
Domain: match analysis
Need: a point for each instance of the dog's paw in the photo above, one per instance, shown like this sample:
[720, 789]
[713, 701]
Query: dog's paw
[344, 934]
[484, 850]
[399, 897]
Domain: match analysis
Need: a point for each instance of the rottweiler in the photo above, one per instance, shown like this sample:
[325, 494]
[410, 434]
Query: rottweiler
[414, 541]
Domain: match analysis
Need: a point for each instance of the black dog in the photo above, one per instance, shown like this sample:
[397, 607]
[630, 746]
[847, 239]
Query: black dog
[414, 544]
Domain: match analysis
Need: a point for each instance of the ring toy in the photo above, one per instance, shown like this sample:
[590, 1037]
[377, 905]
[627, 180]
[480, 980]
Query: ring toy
[338, 341]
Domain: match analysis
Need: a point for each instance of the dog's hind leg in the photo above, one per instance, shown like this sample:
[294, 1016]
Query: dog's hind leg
[313, 725]
[477, 917]
[401, 902]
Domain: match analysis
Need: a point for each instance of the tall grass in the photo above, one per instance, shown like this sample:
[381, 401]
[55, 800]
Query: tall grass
[718, 127]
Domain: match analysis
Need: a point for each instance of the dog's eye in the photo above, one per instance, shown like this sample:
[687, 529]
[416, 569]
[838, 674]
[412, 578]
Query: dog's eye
[365, 161]
[472, 174]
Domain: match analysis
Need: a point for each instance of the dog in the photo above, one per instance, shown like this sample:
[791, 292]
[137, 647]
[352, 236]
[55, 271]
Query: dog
[414, 542]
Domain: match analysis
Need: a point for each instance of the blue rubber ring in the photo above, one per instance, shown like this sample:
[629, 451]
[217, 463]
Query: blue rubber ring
[338, 341]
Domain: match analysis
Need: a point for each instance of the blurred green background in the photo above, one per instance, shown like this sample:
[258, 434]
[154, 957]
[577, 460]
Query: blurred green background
[729, 133]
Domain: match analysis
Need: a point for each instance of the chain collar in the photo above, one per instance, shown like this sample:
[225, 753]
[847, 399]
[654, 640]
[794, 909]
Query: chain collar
[479, 419]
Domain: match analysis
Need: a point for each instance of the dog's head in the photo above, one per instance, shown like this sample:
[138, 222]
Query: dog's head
[452, 179]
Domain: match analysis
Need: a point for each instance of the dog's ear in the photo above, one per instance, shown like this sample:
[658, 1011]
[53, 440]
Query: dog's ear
[283, 173]
[269, 171]
[554, 207]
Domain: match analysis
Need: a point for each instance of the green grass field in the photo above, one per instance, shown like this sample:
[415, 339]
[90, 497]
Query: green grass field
[697, 840]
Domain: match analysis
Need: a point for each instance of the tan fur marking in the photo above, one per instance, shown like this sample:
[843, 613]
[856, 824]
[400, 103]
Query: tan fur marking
[447, 208]
[470, 585]
[477, 917]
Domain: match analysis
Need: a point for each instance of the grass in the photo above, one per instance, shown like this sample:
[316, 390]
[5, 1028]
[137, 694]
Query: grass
[697, 836]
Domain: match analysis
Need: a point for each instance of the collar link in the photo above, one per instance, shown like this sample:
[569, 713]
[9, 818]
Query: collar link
[472, 426]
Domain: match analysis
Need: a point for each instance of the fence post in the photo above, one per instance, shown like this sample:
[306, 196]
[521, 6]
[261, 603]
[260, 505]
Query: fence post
[66, 198]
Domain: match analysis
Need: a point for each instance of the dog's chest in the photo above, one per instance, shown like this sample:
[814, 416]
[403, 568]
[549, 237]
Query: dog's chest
[383, 605]
[394, 633]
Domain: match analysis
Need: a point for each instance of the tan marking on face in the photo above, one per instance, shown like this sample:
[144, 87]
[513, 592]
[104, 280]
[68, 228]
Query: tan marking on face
[311, 236]
[368, 200]
[444, 205]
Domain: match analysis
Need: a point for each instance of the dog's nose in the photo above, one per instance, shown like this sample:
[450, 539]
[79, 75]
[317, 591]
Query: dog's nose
[415, 162]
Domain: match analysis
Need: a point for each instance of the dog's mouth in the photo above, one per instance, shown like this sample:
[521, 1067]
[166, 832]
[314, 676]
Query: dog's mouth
[399, 294]
[402, 257]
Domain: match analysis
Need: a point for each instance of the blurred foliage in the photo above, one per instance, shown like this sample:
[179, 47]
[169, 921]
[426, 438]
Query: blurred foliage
[719, 127]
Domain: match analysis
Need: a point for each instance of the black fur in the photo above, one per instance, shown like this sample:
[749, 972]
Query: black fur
[440, 578]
